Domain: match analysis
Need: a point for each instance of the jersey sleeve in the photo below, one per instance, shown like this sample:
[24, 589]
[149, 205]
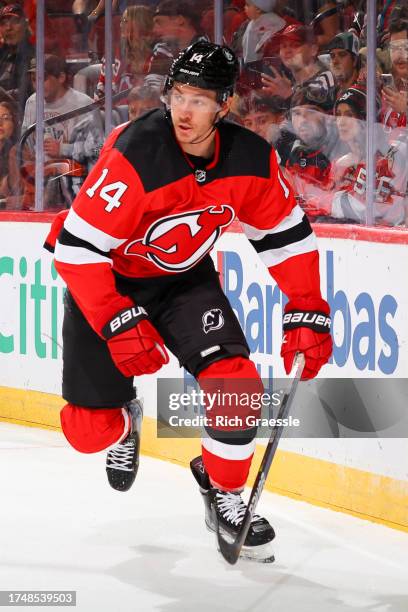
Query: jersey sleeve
[103, 216]
[282, 236]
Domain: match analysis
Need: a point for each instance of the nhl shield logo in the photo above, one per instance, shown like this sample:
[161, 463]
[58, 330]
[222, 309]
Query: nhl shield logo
[212, 320]
[200, 176]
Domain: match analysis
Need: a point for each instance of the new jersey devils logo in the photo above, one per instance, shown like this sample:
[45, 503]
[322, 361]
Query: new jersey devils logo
[176, 243]
[212, 320]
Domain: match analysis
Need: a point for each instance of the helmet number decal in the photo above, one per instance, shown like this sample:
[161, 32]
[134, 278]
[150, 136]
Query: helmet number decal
[111, 193]
[197, 57]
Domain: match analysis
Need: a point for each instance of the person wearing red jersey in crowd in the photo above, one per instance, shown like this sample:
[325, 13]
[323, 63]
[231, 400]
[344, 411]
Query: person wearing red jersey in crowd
[309, 160]
[134, 253]
[349, 171]
[395, 94]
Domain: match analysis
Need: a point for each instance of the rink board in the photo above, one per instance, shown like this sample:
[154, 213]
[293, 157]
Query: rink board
[361, 476]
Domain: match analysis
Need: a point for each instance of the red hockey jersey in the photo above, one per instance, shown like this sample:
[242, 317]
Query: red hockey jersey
[145, 211]
[349, 199]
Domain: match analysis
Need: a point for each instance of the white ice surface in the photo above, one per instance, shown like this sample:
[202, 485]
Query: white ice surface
[62, 527]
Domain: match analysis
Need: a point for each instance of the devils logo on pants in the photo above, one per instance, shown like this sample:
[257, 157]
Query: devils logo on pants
[176, 243]
[212, 320]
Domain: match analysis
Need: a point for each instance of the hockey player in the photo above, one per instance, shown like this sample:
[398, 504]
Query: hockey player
[134, 252]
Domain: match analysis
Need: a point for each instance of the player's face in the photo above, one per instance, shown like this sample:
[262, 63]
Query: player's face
[308, 123]
[342, 65]
[193, 112]
[348, 125]
[399, 54]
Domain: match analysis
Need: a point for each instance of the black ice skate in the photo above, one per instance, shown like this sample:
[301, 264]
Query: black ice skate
[230, 509]
[122, 460]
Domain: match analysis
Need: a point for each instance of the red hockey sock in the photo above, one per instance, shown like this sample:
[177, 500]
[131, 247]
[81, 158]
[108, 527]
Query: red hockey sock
[227, 462]
[90, 430]
[226, 474]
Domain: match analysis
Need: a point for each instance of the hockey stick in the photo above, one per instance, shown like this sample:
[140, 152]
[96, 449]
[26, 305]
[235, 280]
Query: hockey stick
[231, 550]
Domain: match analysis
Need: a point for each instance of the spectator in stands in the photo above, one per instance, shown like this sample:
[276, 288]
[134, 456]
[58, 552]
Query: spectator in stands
[15, 54]
[298, 52]
[233, 16]
[385, 11]
[141, 100]
[77, 139]
[176, 25]
[267, 116]
[262, 23]
[349, 171]
[344, 60]
[326, 23]
[130, 65]
[9, 133]
[309, 161]
[98, 8]
[264, 115]
[395, 95]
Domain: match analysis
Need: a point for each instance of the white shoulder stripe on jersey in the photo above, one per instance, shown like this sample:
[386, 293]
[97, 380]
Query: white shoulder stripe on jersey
[78, 255]
[294, 218]
[228, 451]
[277, 256]
[80, 228]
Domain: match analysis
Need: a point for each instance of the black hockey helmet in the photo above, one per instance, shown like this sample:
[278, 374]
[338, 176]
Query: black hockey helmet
[206, 65]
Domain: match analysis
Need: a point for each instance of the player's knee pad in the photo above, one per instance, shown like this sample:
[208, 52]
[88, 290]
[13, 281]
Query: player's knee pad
[90, 430]
[214, 354]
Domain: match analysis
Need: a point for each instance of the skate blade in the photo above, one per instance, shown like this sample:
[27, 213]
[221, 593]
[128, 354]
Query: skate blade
[263, 553]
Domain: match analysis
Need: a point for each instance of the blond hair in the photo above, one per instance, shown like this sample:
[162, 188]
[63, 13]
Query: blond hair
[137, 47]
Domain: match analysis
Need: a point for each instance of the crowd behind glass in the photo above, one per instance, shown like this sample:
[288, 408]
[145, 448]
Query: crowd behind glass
[302, 87]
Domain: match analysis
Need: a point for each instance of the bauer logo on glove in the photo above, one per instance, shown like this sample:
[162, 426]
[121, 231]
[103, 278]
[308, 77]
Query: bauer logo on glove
[126, 319]
[306, 327]
[319, 322]
[135, 345]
